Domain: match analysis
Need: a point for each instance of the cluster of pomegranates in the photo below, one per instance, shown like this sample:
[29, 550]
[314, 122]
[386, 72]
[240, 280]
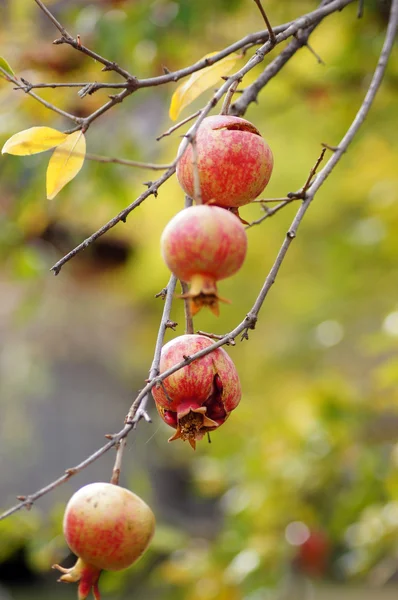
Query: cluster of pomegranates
[109, 527]
[201, 245]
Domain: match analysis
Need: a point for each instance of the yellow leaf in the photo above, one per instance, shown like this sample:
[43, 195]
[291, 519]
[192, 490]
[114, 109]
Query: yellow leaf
[199, 82]
[33, 140]
[65, 163]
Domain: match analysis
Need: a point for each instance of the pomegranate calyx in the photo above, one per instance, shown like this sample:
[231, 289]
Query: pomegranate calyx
[193, 425]
[203, 292]
[87, 576]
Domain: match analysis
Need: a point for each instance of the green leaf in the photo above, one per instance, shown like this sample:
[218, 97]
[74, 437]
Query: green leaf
[6, 67]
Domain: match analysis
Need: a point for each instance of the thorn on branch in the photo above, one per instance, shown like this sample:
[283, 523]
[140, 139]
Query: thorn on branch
[166, 71]
[71, 471]
[329, 147]
[88, 89]
[142, 414]
[162, 294]
[318, 58]
[361, 5]
[214, 336]
[28, 86]
[110, 67]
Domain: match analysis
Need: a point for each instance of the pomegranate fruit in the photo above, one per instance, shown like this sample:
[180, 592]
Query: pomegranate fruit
[201, 245]
[313, 554]
[234, 162]
[199, 397]
[107, 527]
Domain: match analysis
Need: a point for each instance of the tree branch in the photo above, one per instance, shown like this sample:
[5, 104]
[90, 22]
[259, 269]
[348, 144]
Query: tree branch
[258, 57]
[250, 94]
[249, 322]
[48, 105]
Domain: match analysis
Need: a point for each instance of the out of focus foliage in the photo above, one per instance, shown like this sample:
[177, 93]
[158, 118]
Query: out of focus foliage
[313, 445]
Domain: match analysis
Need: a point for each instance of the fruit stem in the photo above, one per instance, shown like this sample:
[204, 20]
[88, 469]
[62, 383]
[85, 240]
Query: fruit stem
[87, 575]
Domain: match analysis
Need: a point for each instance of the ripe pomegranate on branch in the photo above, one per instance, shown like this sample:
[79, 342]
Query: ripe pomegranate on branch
[199, 397]
[107, 527]
[233, 161]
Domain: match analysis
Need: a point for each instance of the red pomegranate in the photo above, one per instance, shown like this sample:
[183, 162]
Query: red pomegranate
[201, 245]
[107, 527]
[233, 159]
[199, 397]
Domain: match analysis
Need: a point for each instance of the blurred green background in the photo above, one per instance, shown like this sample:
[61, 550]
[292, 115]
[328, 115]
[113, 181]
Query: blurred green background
[297, 496]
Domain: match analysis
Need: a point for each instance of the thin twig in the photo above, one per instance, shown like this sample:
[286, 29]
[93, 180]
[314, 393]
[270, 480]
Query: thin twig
[361, 5]
[138, 409]
[215, 336]
[185, 288]
[228, 98]
[272, 37]
[122, 216]
[300, 39]
[271, 200]
[187, 309]
[300, 195]
[93, 86]
[318, 58]
[196, 178]
[269, 212]
[126, 162]
[48, 105]
[118, 461]
[180, 124]
[76, 43]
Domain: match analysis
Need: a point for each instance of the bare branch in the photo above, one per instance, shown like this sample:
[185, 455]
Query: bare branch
[126, 162]
[304, 21]
[48, 105]
[118, 461]
[90, 86]
[152, 190]
[196, 178]
[228, 98]
[269, 212]
[180, 124]
[300, 40]
[272, 37]
[76, 43]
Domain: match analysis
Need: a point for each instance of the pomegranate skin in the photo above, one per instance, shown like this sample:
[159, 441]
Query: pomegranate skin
[234, 162]
[199, 397]
[201, 245]
[107, 527]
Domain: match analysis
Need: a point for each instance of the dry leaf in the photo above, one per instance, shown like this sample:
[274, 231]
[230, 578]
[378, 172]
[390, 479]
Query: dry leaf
[199, 82]
[33, 140]
[65, 163]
